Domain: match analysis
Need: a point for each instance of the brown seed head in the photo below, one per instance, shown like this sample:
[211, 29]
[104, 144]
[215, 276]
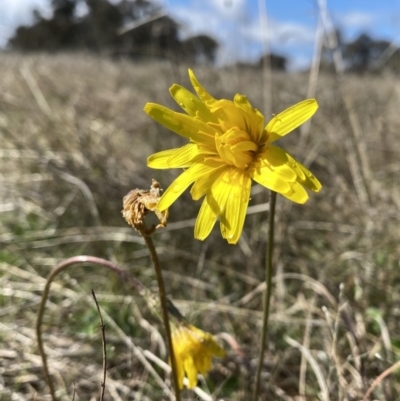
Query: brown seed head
[138, 202]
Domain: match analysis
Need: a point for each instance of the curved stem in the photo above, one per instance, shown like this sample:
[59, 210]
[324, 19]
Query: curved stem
[379, 379]
[64, 264]
[267, 297]
[164, 307]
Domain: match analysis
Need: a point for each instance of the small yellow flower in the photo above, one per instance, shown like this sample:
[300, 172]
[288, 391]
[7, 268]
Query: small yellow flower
[229, 147]
[193, 350]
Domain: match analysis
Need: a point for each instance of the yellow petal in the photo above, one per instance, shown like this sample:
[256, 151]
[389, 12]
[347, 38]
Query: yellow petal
[280, 162]
[254, 119]
[201, 92]
[310, 181]
[183, 181]
[213, 204]
[190, 103]
[229, 115]
[296, 166]
[214, 347]
[304, 175]
[191, 371]
[203, 184]
[232, 218]
[203, 361]
[291, 118]
[270, 179]
[180, 370]
[297, 193]
[174, 158]
[182, 124]
[205, 219]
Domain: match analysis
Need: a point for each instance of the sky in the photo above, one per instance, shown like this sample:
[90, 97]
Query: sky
[245, 29]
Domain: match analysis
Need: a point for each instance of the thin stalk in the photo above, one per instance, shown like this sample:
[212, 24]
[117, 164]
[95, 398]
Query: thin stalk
[63, 265]
[103, 340]
[267, 297]
[164, 307]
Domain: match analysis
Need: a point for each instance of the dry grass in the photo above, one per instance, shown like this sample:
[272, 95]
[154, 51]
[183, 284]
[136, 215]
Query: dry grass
[74, 141]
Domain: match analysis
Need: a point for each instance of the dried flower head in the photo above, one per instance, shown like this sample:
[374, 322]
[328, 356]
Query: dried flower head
[138, 203]
[193, 350]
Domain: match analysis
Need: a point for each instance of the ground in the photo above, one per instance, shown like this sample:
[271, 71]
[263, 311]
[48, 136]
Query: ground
[74, 140]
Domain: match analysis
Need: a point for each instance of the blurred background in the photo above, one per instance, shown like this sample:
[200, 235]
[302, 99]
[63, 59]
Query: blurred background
[75, 76]
[221, 32]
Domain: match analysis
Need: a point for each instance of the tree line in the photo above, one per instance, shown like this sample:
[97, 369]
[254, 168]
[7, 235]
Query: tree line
[140, 28]
[363, 54]
[134, 28]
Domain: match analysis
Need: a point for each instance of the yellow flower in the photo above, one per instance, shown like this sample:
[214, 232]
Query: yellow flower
[229, 147]
[193, 350]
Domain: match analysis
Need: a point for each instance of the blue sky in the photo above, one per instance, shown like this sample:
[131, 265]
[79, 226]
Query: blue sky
[236, 24]
[291, 24]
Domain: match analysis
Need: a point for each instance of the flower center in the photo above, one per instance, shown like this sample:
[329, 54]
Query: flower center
[236, 148]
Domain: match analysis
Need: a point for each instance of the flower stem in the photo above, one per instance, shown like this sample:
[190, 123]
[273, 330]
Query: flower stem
[267, 297]
[164, 308]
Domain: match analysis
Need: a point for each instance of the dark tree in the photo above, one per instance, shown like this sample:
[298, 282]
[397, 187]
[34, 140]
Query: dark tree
[363, 54]
[48, 34]
[276, 61]
[99, 28]
[64, 9]
[359, 53]
[154, 36]
[129, 27]
[137, 10]
[200, 49]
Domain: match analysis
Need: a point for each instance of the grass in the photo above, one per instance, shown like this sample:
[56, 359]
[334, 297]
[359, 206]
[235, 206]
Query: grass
[74, 140]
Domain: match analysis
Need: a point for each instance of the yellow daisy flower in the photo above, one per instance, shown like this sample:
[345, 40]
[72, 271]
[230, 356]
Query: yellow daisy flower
[229, 147]
[193, 350]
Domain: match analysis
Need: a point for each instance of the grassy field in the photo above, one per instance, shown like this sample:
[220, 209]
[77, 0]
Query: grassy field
[74, 140]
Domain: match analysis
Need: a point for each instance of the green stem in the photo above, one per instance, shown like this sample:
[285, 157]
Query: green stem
[267, 297]
[164, 307]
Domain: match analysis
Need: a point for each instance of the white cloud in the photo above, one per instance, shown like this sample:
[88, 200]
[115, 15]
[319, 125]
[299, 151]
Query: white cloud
[195, 22]
[81, 9]
[239, 35]
[214, 18]
[298, 63]
[232, 9]
[14, 13]
[356, 19]
[280, 33]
